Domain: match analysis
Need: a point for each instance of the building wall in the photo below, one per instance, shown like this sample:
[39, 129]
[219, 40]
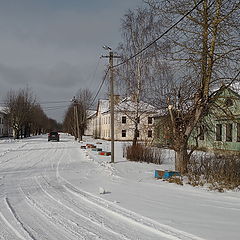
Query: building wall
[228, 115]
[2, 130]
[5, 130]
[89, 131]
[210, 141]
[128, 127]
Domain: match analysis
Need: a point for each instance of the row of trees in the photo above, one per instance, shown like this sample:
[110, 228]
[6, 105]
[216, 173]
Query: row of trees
[179, 73]
[25, 115]
[75, 120]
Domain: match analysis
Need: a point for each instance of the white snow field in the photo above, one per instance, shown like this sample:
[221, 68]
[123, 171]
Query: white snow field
[55, 190]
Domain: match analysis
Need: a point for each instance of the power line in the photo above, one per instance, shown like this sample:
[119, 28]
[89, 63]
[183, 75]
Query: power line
[89, 79]
[163, 34]
[54, 102]
[57, 108]
[100, 87]
[54, 107]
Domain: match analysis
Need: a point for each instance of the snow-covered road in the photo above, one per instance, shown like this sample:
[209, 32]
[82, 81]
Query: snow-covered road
[49, 190]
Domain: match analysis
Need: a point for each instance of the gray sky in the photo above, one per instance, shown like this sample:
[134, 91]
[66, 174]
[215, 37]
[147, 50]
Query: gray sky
[53, 46]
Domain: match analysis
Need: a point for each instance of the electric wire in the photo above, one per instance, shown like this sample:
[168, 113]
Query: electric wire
[163, 34]
[100, 87]
[89, 79]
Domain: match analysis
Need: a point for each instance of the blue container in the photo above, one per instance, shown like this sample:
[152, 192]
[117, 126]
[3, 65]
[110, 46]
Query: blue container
[165, 174]
[169, 174]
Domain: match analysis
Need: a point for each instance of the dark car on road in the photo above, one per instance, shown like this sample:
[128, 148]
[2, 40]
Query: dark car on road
[53, 136]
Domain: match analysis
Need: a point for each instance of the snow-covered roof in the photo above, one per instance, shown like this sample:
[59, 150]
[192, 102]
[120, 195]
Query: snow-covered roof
[236, 87]
[2, 109]
[91, 113]
[126, 104]
[103, 105]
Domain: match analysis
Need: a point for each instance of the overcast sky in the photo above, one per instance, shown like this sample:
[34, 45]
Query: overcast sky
[53, 46]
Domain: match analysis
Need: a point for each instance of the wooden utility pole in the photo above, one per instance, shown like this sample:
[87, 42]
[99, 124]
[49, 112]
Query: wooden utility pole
[75, 112]
[111, 56]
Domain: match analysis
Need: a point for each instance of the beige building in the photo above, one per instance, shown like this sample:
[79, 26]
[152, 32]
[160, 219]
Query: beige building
[127, 113]
[89, 131]
[5, 130]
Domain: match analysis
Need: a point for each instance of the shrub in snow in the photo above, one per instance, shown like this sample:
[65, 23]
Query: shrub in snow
[143, 153]
[215, 171]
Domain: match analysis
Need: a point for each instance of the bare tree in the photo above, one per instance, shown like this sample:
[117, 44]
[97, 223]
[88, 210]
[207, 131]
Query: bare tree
[138, 28]
[69, 121]
[82, 102]
[204, 53]
[19, 109]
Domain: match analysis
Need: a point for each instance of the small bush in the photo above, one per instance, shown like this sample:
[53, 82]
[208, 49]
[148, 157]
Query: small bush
[176, 180]
[142, 153]
[218, 172]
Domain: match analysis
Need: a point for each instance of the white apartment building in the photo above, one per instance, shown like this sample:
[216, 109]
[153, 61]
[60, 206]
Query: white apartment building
[89, 131]
[4, 130]
[127, 112]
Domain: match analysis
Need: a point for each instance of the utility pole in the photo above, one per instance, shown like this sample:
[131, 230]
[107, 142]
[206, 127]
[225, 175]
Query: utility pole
[110, 57]
[75, 112]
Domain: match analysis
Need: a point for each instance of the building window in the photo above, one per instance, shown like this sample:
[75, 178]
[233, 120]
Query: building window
[229, 102]
[149, 133]
[229, 132]
[124, 119]
[150, 120]
[124, 133]
[218, 132]
[238, 132]
[201, 132]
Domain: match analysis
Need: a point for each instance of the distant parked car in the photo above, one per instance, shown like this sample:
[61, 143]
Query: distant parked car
[53, 136]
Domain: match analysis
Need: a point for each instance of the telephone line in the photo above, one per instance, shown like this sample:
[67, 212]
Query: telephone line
[100, 87]
[163, 34]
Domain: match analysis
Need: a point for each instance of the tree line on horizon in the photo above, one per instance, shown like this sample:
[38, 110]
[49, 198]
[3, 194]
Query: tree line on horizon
[25, 116]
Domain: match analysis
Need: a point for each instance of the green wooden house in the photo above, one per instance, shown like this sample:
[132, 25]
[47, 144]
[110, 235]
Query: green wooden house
[219, 131]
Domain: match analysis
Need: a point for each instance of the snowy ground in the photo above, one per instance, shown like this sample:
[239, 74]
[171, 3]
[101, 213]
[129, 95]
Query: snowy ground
[51, 190]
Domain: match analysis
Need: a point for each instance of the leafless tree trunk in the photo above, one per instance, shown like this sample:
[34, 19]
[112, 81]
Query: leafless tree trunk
[204, 54]
[138, 28]
[19, 109]
[82, 103]
[84, 99]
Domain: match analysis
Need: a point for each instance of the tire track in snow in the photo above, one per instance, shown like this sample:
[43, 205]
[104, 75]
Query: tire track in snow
[99, 225]
[11, 227]
[49, 216]
[98, 216]
[10, 151]
[141, 221]
[11, 209]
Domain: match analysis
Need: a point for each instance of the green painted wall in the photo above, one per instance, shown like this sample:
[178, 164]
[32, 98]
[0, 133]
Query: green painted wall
[225, 110]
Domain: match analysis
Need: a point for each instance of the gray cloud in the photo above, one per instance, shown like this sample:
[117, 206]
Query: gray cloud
[54, 46]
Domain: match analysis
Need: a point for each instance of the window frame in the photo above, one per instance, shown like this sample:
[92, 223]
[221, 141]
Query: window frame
[219, 128]
[124, 132]
[229, 132]
[150, 135]
[125, 120]
[150, 120]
